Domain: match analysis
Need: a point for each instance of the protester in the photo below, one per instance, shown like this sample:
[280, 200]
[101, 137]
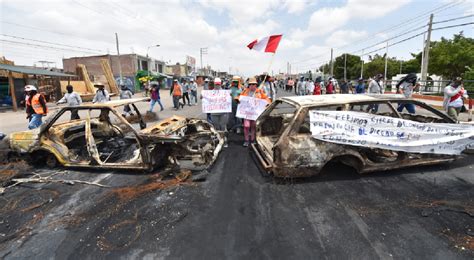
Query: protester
[206, 84]
[177, 92]
[406, 85]
[193, 88]
[186, 92]
[453, 98]
[250, 126]
[73, 100]
[155, 97]
[360, 88]
[309, 87]
[101, 95]
[375, 88]
[269, 88]
[330, 87]
[125, 93]
[300, 87]
[317, 86]
[235, 90]
[36, 107]
[219, 120]
[344, 89]
[290, 85]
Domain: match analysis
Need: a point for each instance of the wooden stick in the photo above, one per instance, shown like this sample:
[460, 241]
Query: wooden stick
[266, 74]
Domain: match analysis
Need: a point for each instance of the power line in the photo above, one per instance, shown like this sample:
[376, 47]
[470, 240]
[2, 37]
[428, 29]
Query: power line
[451, 26]
[411, 37]
[59, 44]
[45, 46]
[454, 19]
[400, 25]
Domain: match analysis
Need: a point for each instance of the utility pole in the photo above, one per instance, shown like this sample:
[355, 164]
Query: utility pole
[345, 66]
[362, 64]
[202, 51]
[332, 65]
[386, 62]
[118, 54]
[426, 58]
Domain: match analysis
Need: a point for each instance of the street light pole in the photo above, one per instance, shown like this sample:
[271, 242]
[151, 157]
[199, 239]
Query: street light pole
[147, 57]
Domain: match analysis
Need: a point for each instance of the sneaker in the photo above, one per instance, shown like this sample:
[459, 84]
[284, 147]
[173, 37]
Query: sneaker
[162, 109]
[246, 144]
[253, 142]
[226, 145]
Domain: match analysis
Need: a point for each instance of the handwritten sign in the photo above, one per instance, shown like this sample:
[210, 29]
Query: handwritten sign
[250, 108]
[216, 101]
[368, 130]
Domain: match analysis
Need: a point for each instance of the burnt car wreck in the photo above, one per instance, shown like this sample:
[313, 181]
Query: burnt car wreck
[285, 146]
[103, 138]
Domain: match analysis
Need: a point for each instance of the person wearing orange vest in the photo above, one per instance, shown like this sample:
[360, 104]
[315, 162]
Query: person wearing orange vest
[177, 92]
[35, 107]
[250, 126]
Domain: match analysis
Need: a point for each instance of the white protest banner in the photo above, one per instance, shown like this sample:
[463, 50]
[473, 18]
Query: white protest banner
[250, 108]
[368, 130]
[216, 101]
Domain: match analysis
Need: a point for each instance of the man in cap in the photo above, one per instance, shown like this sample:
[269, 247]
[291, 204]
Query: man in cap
[72, 99]
[125, 93]
[177, 92]
[235, 90]
[206, 84]
[35, 107]
[375, 88]
[101, 95]
[193, 88]
[454, 94]
[360, 88]
[269, 88]
[186, 91]
[219, 120]
[406, 85]
[155, 96]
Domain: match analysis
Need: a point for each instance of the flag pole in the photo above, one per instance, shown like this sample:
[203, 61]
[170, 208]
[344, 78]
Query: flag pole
[266, 74]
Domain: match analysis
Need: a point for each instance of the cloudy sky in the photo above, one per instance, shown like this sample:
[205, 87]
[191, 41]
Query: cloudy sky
[50, 30]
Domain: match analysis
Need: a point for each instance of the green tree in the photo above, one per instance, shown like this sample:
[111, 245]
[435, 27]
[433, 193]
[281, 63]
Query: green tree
[449, 57]
[412, 65]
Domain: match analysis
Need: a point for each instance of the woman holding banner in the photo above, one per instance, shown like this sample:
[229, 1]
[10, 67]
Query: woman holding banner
[250, 126]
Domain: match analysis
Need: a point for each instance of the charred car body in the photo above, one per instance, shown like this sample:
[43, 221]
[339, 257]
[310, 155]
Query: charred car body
[103, 138]
[285, 146]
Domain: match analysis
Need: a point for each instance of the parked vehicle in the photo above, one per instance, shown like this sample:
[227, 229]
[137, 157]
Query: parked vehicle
[103, 138]
[286, 147]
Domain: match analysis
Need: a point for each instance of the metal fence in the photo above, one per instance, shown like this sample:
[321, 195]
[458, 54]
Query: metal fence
[435, 87]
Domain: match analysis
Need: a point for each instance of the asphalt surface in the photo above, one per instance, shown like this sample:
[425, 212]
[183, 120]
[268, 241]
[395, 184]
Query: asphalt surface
[232, 211]
[236, 213]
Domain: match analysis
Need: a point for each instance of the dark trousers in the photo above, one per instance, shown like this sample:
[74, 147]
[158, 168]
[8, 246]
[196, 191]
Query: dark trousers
[75, 114]
[186, 96]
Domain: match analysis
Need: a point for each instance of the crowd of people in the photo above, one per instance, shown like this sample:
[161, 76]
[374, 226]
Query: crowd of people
[185, 92]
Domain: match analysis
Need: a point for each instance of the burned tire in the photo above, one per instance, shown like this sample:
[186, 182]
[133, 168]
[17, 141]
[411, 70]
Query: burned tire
[51, 161]
[44, 158]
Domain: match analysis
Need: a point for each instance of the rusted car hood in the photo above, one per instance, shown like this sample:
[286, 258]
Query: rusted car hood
[167, 128]
[23, 141]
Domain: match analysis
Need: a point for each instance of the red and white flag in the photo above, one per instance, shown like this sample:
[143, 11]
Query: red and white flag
[266, 44]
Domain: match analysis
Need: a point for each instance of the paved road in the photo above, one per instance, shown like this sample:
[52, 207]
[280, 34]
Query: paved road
[236, 213]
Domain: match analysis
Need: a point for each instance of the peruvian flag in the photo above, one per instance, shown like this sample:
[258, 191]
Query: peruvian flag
[266, 44]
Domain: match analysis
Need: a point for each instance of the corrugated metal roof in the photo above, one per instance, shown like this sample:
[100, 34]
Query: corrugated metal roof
[32, 71]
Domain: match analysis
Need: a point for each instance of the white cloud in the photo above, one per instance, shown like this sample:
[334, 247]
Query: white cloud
[296, 6]
[326, 20]
[344, 37]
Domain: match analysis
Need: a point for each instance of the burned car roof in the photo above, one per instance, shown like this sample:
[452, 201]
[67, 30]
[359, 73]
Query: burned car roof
[116, 103]
[336, 99]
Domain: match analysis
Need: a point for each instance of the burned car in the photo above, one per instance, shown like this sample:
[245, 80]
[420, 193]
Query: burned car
[298, 136]
[103, 138]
